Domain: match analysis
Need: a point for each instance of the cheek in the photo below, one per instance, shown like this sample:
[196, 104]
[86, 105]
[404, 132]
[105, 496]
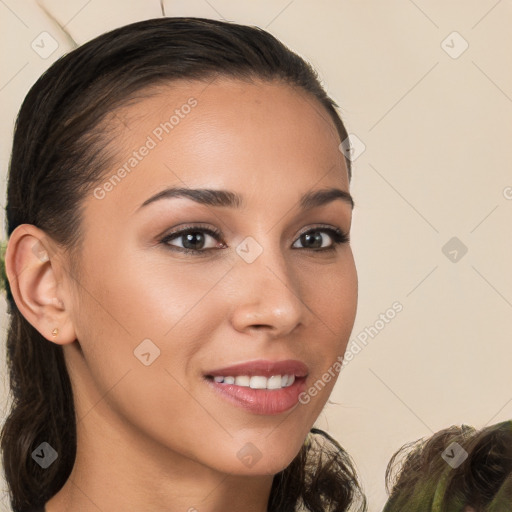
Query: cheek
[137, 305]
[332, 295]
[133, 309]
[333, 299]
[147, 295]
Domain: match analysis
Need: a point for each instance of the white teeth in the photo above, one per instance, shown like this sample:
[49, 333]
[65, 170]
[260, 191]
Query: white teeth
[258, 381]
[242, 380]
[275, 382]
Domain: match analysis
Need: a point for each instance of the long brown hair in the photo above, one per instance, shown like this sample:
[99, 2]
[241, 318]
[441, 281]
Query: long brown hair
[59, 151]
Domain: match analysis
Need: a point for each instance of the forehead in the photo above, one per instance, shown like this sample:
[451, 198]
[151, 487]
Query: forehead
[261, 111]
[231, 134]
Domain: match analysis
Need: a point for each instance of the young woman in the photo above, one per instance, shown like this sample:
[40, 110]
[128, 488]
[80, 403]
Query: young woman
[181, 286]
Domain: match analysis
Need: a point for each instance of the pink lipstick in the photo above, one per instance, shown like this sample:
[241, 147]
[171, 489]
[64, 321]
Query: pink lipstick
[262, 386]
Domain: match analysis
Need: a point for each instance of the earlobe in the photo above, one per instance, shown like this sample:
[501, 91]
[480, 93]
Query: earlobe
[33, 269]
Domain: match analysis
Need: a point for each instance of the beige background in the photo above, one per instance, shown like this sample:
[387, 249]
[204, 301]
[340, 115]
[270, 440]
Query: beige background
[437, 130]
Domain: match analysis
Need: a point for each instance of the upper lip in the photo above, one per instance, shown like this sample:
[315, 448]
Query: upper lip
[264, 368]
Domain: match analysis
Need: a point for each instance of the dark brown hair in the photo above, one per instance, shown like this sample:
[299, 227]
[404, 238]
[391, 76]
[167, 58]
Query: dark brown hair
[435, 475]
[60, 152]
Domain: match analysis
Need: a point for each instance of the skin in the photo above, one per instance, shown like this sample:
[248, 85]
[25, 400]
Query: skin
[156, 437]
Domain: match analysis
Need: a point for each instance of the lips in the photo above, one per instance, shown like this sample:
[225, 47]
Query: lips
[262, 367]
[271, 399]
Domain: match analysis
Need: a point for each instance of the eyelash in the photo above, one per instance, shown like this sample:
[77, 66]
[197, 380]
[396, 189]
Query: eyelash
[339, 237]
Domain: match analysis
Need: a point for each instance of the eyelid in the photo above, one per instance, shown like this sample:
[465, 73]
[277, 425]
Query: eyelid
[318, 227]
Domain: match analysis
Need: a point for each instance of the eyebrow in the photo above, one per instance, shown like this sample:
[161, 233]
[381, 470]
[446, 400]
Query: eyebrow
[226, 198]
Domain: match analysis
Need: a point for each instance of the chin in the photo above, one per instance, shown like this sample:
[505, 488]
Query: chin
[263, 461]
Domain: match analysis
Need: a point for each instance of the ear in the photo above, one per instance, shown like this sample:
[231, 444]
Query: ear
[36, 279]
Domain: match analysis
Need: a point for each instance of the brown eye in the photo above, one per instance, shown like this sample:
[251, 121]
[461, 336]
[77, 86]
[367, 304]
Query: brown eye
[313, 238]
[193, 239]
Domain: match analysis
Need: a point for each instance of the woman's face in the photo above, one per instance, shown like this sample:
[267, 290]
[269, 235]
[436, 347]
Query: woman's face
[155, 324]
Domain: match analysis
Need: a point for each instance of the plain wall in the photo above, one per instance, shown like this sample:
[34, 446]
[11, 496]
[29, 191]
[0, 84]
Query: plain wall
[437, 130]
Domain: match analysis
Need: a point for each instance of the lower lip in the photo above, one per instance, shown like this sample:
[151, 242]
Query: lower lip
[262, 401]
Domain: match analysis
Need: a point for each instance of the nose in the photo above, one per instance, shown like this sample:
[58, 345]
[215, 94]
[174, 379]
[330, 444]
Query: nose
[267, 295]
